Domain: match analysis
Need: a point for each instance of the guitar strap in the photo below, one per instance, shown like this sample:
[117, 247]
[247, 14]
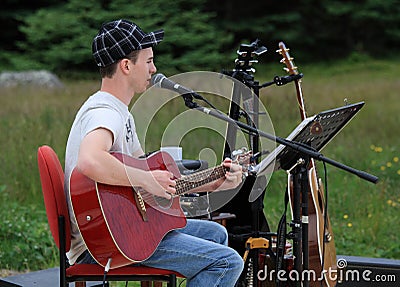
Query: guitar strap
[281, 240]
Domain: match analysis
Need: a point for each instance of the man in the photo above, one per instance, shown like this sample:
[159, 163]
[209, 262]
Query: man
[103, 124]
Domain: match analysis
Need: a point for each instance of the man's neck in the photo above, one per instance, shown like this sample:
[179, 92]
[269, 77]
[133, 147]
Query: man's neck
[118, 89]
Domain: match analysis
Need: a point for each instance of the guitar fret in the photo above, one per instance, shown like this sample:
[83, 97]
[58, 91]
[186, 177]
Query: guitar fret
[189, 182]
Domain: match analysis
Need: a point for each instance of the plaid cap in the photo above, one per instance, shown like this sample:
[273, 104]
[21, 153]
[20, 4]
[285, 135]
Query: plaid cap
[118, 38]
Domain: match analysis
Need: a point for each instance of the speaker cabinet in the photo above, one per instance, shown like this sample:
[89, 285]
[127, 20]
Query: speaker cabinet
[367, 272]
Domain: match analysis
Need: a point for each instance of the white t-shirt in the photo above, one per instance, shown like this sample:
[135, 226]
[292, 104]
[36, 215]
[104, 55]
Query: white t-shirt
[101, 110]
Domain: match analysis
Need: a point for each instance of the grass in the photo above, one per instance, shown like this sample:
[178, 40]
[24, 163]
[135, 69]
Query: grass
[363, 215]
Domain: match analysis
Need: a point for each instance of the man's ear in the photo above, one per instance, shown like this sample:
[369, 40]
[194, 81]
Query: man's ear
[124, 65]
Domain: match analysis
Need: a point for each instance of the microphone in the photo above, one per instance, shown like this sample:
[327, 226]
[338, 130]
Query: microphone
[161, 81]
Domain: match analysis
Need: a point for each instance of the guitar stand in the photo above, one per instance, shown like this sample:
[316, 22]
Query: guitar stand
[299, 223]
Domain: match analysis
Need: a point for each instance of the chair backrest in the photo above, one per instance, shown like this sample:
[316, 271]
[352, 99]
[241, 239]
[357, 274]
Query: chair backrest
[52, 179]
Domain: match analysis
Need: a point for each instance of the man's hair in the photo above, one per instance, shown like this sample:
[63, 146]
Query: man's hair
[109, 71]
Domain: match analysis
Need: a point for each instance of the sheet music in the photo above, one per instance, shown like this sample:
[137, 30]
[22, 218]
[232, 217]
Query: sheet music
[269, 165]
[316, 131]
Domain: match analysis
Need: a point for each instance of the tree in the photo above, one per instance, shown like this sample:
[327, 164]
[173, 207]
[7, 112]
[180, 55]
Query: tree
[199, 34]
[60, 37]
[12, 14]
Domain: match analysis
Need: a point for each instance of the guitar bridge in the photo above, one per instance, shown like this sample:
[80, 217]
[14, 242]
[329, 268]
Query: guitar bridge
[140, 204]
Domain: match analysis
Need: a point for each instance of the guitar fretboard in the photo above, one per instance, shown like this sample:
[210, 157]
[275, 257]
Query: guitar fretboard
[188, 182]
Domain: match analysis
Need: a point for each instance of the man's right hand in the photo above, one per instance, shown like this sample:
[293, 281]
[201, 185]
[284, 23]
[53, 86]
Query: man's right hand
[160, 183]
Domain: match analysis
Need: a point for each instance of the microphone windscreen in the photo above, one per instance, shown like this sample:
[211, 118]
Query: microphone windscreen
[156, 80]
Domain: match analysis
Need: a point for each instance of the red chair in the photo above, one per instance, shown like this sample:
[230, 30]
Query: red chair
[52, 179]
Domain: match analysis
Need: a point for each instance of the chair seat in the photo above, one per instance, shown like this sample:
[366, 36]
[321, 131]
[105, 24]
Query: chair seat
[95, 270]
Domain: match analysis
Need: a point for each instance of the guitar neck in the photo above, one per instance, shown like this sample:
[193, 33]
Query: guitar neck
[187, 183]
[300, 100]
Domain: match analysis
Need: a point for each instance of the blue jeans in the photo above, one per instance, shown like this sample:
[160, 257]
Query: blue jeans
[198, 251]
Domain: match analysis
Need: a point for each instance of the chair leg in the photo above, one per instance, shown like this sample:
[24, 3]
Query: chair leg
[153, 284]
[172, 282]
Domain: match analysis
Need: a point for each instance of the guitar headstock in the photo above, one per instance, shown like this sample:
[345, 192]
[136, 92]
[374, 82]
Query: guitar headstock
[287, 59]
[294, 74]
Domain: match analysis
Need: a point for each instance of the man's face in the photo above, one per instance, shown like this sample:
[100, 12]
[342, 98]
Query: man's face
[143, 69]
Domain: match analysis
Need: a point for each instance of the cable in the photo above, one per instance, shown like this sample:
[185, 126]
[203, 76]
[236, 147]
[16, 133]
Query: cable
[180, 284]
[325, 215]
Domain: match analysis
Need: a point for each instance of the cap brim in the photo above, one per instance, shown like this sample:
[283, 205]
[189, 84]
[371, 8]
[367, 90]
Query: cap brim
[152, 39]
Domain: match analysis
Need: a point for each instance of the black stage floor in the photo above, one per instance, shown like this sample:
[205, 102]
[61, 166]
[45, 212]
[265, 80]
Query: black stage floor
[359, 272]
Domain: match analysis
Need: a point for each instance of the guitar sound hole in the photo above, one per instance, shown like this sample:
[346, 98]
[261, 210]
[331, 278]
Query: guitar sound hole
[164, 203]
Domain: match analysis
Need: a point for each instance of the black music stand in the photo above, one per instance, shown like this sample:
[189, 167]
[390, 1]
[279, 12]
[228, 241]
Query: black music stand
[314, 132]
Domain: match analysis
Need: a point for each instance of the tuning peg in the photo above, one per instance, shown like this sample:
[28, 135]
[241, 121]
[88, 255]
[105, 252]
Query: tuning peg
[239, 62]
[280, 51]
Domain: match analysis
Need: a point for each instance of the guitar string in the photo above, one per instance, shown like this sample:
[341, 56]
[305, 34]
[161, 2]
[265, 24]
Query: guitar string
[188, 182]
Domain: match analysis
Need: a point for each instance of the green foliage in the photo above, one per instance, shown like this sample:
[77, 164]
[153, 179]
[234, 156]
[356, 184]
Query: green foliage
[60, 37]
[26, 242]
[318, 29]
[12, 61]
[200, 34]
[370, 25]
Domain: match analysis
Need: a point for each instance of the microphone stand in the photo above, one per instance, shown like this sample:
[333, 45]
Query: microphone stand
[241, 237]
[260, 230]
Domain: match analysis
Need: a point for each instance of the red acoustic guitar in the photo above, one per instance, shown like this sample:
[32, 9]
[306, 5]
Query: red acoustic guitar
[127, 224]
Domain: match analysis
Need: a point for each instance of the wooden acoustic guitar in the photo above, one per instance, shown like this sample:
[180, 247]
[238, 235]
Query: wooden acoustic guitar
[125, 224]
[322, 252]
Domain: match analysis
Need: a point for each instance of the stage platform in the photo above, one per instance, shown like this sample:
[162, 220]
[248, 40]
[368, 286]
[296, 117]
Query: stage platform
[359, 272]
[41, 278]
